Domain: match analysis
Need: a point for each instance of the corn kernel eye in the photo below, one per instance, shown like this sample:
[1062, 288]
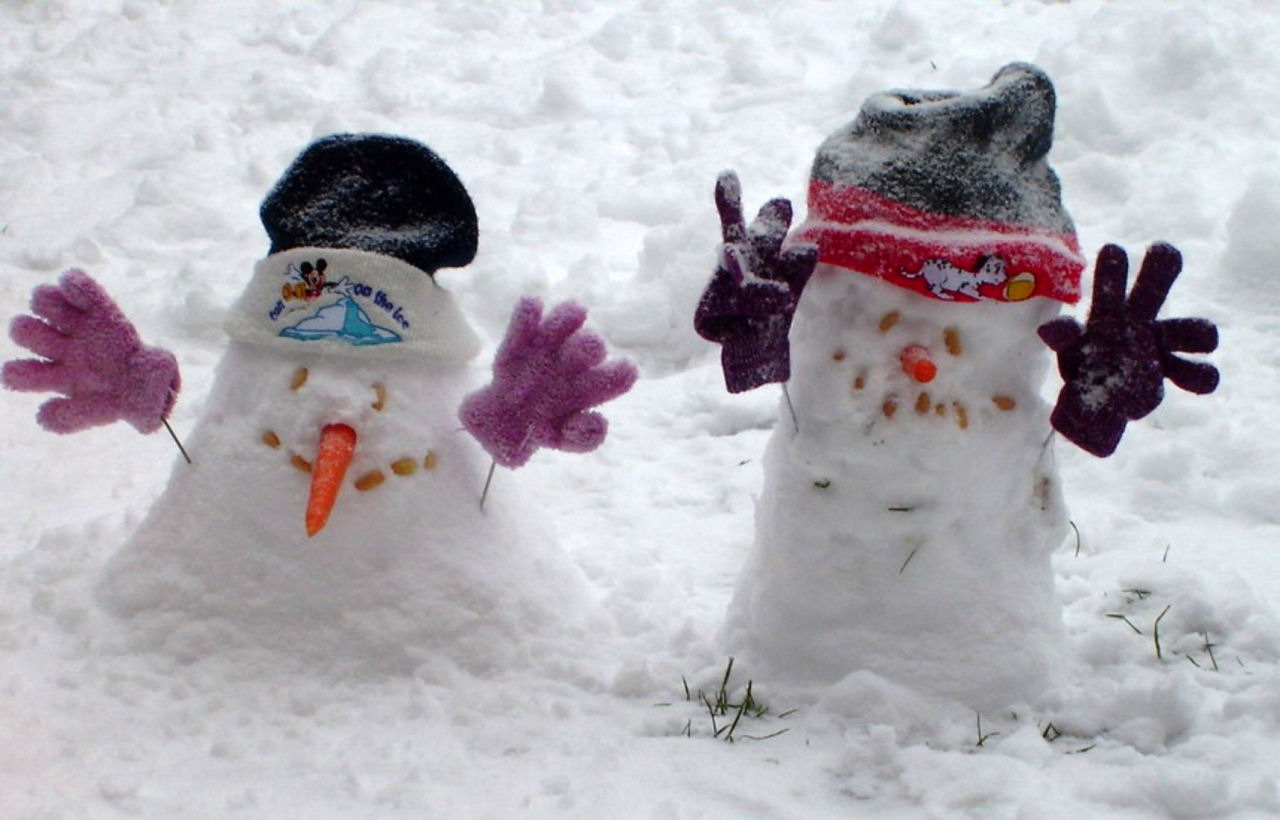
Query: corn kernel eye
[299, 379]
[380, 397]
[951, 339]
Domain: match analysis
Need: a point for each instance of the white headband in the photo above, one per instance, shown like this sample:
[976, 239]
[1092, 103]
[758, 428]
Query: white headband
[348, 302]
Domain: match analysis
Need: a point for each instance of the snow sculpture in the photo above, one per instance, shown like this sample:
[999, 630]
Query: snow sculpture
[339, 394]
[906, 523]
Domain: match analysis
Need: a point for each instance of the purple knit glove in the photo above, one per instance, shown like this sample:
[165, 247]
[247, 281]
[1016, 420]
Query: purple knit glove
[546, 376]
[748, 306]
[1114, 367]
[91, 355]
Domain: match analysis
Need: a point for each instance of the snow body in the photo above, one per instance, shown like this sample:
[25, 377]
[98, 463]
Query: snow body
[407, 572]
[902, 535]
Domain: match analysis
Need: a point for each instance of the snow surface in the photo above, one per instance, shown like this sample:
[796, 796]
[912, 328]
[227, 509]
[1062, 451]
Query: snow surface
[137, 140]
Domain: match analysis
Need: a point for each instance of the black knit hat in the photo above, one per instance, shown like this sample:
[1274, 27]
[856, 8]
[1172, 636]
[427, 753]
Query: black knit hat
[377, 193]
[932, 185]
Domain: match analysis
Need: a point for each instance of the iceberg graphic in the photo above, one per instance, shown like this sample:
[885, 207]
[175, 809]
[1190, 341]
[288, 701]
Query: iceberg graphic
[341, 321]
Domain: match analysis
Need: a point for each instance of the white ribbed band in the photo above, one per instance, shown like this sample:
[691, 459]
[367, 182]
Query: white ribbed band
[371, 305]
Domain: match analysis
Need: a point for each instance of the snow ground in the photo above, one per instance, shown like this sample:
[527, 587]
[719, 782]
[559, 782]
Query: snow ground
[136, 140]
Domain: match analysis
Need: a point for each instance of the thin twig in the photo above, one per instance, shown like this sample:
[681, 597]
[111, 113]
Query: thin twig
[982, 739]
[715, 729]
[1077, 529]
[908, 561]
[1125, 619]
[742, 707]
[174, 435]
[786, 394]
[484, 494]
[1156, 631]
[724, 684]
[768, 736]
[1208, 647]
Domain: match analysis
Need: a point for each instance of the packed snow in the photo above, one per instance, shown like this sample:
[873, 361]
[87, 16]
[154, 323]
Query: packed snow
[137, 140]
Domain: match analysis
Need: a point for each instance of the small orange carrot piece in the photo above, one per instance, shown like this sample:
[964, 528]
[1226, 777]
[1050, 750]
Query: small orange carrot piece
[918, 364]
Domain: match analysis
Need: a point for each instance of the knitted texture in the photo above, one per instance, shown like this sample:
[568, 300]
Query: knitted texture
[547, 375]
[748, 306]
[92, 355]
[1115, 365]
[949, 194]
[376, 193]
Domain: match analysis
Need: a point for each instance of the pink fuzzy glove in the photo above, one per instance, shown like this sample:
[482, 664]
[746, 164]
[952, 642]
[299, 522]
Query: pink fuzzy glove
[546, 377]
[91, 355]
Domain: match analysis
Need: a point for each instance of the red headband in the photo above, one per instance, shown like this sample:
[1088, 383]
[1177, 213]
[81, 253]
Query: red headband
[954, 258]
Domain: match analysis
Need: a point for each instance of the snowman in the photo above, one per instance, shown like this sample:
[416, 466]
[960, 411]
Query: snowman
[330, 510]
[911, 504]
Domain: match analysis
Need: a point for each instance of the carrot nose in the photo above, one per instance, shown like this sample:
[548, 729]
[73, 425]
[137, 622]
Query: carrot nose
[918, 364]
[337, 448]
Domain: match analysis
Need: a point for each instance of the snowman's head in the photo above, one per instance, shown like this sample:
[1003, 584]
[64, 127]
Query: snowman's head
[949, 194]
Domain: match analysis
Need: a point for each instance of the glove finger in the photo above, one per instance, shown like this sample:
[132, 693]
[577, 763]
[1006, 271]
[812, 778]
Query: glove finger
[1061, 333]
[1160, 269]
[50, 303]
[70, 415]
[600, 384]
[798, 263]
[83, 292]
[1194, 377]
[34, 376]
[39, 337]
[729, 204]
[736, 262]
[1096, 431]
[1188, 335]
[581, 433]
[565, 319]
[1110, 277]
[521, 338]
[582, 351]
[769, 228]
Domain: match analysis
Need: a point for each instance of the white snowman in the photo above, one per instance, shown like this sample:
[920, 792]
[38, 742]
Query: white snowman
[330, 512]
[911, 506]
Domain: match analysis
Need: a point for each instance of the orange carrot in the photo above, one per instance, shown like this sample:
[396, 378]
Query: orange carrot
[337, 448]
[918, 364]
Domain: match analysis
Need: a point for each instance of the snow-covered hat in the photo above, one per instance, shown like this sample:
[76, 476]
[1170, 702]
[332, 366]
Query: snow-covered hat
[377, 193]
[949, 194]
